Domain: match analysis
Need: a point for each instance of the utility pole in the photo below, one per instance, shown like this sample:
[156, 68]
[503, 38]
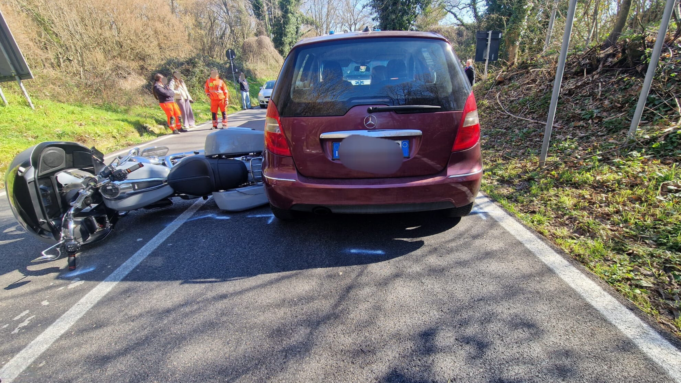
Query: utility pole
[661, 34]
[2, 95]
[489, 43]
[558, 81]
[550, 31]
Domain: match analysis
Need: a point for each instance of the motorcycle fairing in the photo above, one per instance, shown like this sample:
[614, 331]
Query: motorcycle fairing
[32, 188]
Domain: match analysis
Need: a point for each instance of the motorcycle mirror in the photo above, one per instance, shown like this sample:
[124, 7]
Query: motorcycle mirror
[132, 153]
[97, 154]
[155, 151]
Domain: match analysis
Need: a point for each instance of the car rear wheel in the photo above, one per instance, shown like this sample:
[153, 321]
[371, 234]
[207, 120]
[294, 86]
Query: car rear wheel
[458, 212]
[284, 215]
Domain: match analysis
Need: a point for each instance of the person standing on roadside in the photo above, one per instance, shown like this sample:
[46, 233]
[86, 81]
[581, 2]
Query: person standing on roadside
[470, 71]
[183, 100]
[166, 99]
[219, 97]
[245, 96]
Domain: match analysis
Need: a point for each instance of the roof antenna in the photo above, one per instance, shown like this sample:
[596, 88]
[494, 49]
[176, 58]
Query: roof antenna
[366, 29]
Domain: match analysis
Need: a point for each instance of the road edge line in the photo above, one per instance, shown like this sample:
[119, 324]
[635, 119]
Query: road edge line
[39, 345]
[644, 337]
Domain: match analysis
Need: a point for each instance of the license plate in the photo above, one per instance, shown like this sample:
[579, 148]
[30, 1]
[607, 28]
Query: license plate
[403, 144]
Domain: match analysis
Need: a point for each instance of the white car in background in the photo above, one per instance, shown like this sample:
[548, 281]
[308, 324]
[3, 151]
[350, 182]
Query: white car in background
[265, 93]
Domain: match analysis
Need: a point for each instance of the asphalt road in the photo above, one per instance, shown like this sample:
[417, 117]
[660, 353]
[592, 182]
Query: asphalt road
[245, 297]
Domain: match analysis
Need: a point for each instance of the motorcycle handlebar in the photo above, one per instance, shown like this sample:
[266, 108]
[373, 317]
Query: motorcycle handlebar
[134, 167]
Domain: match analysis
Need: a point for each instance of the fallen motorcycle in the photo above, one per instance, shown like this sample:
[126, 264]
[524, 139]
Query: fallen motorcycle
[64, 192]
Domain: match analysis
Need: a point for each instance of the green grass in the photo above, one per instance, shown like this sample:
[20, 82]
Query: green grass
[610, 215]
[107, 127]
[600, 196]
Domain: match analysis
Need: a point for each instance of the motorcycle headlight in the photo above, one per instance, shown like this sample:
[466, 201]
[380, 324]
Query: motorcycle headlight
[110, 191]
[114, 189]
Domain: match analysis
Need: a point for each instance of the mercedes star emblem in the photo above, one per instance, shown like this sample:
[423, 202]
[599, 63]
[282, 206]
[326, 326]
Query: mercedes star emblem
[370, 121]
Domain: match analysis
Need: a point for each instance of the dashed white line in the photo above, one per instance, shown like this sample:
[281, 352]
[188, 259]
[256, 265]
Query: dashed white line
[647, 339]
[25, 357]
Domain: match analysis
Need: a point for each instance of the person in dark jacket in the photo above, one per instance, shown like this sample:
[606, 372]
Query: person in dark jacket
[166, 99]
[245, 96]
[470, 71]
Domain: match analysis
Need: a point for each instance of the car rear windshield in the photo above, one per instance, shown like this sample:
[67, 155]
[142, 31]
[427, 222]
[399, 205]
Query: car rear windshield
[327, 79]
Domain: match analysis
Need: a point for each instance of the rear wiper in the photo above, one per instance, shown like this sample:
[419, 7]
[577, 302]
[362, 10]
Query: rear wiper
[378, 109]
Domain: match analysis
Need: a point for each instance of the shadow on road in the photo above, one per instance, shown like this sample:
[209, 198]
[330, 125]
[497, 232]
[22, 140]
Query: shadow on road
[216, 247]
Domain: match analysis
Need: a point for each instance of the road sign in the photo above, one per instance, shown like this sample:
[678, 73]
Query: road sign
[13, 66]
[231, 55]
[483, 41]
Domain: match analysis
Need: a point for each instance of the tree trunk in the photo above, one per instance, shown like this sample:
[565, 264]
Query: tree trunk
[594, 26]
[677, 18]
[523, 28]
[622, 16]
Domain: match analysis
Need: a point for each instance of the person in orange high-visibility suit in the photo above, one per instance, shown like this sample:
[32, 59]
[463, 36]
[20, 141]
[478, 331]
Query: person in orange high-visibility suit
[219, 97]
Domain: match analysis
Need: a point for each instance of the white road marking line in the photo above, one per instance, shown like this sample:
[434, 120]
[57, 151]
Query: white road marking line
[648, 340]
[25, 357]
[139, 146]
[2, 194]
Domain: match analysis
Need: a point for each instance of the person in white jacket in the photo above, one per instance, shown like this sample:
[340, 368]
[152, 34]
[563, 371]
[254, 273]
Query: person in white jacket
[183, 99]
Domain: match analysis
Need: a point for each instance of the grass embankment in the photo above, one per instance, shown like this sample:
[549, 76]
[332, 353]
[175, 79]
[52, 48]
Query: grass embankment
[614, 204]
[107, 127]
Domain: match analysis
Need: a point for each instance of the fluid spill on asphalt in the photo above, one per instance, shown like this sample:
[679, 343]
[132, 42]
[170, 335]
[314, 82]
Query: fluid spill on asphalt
[365, 252]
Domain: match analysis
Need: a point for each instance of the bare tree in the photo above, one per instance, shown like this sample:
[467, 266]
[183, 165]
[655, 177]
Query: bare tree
[354, 15]
[323, 13]
[466, 9]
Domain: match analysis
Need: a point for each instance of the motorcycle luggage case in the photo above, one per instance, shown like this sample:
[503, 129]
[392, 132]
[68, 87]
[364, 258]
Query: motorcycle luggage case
[234, 142]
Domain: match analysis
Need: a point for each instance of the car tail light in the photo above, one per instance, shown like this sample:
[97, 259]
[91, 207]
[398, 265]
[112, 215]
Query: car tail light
[469, 129]
[275, 141]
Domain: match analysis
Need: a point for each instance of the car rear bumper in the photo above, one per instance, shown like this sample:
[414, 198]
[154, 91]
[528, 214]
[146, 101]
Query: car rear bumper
[454, 187]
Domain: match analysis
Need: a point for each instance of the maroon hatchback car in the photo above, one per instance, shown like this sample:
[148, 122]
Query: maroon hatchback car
[372, 122]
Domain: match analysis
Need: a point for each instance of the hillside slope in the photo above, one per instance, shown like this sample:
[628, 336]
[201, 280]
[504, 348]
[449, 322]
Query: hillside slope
[614, 204]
